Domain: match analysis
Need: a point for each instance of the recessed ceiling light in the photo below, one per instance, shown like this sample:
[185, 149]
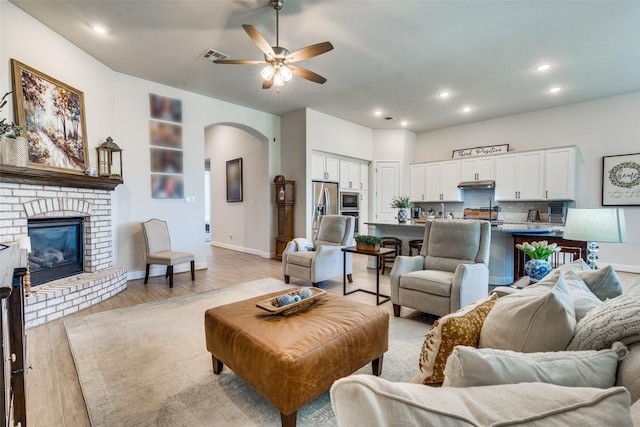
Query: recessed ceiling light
[378, 113]
[554, 90]
[466, 109]
[99, 29]
[543, 67]
[444, 94]
[403, 123]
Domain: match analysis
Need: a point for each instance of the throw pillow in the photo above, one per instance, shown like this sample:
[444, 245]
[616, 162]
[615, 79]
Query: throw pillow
[531, 323]
[616, 319]
[459, 328]
[603, 282]
[468, 367]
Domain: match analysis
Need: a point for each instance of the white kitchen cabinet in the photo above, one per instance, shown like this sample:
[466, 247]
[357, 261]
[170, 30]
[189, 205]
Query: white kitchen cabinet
[324, 168]
[477, 168]
[364, 176]
[520, 176]
[349, 175]
[560, 174]
[417, 182]
[441, 181]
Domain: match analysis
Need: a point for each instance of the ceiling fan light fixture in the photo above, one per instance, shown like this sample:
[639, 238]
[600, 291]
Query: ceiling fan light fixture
[277, 80]
[285, 73]
[267, 72]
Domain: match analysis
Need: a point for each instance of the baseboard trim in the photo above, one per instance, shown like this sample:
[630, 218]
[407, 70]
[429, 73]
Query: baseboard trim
[251, 251]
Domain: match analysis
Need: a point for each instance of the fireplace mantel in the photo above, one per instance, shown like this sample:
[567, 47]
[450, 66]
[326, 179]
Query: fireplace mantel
[50, 177]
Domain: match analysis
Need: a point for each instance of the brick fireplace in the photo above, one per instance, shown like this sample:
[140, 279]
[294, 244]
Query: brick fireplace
[22, 201]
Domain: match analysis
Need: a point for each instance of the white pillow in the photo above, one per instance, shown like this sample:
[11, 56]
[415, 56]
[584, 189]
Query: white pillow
[468, 367]
[603, 282]
[616, 319]
[531, 323]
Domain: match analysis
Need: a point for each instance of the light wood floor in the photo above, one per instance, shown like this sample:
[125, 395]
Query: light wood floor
[54, 397]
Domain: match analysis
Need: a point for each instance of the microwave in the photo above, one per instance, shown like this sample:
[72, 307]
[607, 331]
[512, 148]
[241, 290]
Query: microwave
[349, 201]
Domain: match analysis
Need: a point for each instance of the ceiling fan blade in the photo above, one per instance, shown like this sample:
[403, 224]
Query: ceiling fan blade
[260, 41]
[267, 84]
[309, 52]
[237, 61]
[306, 74]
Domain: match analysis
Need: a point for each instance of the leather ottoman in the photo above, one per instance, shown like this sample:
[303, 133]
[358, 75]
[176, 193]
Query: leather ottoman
[293, 359]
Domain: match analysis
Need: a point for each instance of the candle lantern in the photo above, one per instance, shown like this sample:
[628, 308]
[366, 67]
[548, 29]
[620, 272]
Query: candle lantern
[110, 159]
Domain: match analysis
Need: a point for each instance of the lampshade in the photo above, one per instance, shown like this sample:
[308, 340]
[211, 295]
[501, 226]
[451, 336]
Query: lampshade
[595, 225]
[285, 73]
[24, 242]
[267, 72]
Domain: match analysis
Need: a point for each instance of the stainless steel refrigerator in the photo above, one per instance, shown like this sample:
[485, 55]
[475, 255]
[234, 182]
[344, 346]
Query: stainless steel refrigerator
[325, 201]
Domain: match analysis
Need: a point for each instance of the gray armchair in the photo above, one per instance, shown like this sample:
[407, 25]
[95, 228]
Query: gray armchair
[322, 258]
[451, 271]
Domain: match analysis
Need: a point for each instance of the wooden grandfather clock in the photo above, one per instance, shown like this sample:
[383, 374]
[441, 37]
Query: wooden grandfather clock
[285, 199]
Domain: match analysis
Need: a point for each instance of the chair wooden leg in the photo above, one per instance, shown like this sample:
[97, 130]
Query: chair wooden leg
[350, 278]
[289, 420]
[193, 271]
[286, 279]
[170, 273]
[396, 310]
[166, 273]
[315, 284]
[146, 275]
[376, 366]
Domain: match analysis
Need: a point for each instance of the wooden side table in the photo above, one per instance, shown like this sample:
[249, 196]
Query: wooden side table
[380, 258]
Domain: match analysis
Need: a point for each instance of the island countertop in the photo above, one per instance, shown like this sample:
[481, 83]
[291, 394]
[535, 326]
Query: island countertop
[537, 228]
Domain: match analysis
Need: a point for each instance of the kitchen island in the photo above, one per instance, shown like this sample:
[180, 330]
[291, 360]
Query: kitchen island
[501, 255]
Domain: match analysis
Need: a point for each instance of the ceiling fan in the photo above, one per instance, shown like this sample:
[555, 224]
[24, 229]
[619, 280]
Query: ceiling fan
[278, 59]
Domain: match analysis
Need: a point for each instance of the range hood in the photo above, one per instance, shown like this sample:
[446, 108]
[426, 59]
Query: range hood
[488, 183]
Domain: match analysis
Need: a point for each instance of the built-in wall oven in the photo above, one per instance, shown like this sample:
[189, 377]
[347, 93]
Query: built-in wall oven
[356, 218]
[349, 201]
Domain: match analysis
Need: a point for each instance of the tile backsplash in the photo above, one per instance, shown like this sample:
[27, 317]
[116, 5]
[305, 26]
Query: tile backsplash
[481, 198]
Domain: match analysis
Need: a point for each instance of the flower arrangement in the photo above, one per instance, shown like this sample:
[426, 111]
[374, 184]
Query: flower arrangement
[401, 202]
[538, 250]
[8, 129]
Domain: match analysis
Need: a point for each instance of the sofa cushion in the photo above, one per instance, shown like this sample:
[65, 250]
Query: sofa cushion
[468, 366]
[365, 400]
[603, 282]
[616, 319]
[459, 328]
[628, 372]
[531, 323]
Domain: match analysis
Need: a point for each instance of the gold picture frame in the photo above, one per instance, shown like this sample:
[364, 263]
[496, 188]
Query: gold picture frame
[52, 114]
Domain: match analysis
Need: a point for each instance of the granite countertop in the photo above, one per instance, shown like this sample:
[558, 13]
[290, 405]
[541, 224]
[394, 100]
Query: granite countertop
[540, 228]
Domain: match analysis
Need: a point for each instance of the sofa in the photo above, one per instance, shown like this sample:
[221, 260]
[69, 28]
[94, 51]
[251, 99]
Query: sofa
[563, 351]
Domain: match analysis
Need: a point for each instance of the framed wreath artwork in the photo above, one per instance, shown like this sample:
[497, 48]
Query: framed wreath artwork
[53, 115]
[621, 180]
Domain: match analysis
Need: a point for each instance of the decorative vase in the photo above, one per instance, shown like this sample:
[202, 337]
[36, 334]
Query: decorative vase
[403, 215]
[536, 269]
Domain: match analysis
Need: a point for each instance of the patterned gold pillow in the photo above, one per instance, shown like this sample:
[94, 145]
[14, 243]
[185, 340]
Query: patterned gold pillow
[459, 328]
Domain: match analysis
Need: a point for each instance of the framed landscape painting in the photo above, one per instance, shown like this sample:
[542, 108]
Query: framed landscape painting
[53, 115]
[621, 180]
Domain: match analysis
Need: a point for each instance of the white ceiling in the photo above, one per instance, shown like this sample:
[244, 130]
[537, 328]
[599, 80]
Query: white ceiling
[393, 55]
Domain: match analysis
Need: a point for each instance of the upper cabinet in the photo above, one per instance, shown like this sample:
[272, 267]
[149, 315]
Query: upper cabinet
[349, 175]
[417, 182]
[477, 168]
[441, 181]
[364, 177]
[560, 174]
[324, 168]
[536, 175]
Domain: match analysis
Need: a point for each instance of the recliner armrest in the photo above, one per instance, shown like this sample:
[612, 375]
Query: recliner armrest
[467, 284]
[404, 265]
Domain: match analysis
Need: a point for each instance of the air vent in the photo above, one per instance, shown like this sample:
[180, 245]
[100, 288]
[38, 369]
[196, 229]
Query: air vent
[213, 55]
[388, 118]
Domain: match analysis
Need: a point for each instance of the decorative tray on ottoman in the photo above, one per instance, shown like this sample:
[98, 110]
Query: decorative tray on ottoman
[271, 304]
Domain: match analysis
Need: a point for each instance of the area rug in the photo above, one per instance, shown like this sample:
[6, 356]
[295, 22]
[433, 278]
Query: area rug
[148, 365]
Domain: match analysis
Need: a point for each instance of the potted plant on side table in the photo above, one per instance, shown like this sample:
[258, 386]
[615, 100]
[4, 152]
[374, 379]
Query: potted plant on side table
[368, 242]
[14, 150]
[402, 203]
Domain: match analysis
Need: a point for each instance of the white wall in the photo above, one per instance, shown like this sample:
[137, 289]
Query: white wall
[392, 144]
[603, 127]
[294, 164]
[117, 105]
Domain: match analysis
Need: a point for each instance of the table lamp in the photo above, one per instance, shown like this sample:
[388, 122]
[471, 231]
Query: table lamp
[595, 225]
[24, 242]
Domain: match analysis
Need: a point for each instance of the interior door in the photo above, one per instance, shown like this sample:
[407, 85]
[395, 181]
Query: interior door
[387, 185]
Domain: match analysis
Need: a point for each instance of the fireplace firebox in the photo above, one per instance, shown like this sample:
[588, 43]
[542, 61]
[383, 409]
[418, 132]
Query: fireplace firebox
[56, 248]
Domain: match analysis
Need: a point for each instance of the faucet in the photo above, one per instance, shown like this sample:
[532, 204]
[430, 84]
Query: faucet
[441, 210]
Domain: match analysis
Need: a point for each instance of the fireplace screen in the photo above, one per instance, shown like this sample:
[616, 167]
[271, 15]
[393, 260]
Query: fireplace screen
[56, 248]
